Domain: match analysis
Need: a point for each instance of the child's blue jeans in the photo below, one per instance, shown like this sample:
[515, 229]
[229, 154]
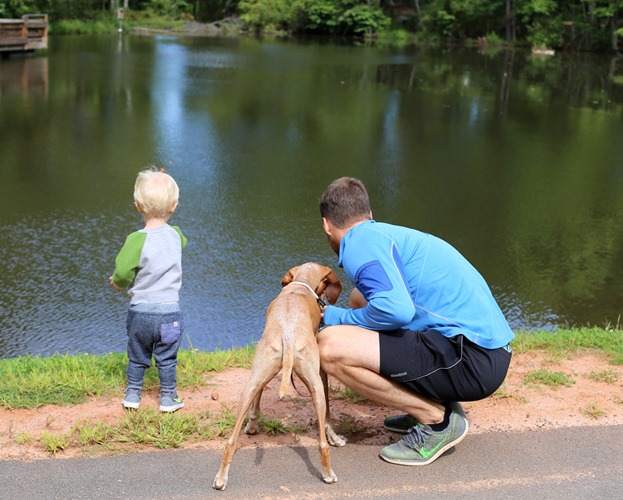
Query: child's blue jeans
[154, 330]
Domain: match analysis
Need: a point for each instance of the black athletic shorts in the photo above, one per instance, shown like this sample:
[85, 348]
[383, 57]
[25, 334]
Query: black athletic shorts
[441, 368]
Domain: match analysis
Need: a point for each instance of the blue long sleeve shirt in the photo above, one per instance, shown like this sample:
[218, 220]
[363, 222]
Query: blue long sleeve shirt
[415, 281]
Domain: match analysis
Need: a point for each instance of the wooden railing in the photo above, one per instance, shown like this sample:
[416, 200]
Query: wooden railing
[26, 34]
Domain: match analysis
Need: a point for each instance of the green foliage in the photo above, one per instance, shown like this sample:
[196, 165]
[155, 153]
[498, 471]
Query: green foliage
[258, 14]
[493, 39]
[322, 16]
[78, 27]
[363, 19]
[543, 23]
[13, 8]
[579, 24]
[341, 17]
[175, 9]
[440, 22]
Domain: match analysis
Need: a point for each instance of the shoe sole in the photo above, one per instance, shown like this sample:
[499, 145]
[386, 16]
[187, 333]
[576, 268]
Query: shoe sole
[171, 409]
[433, 457]
[129, 405]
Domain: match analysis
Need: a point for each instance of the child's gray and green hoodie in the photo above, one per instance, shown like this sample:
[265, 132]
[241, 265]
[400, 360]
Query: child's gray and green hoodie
[150, 264]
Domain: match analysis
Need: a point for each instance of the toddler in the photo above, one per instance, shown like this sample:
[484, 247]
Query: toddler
[150, 266]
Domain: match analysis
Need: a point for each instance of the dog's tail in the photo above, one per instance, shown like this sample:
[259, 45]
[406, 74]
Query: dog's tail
[286, 368]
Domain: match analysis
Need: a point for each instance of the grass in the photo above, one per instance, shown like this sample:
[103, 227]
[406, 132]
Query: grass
[142, 427]
[31, 382]
[607, 375]
[106, 23]
[275, 426]
[565, 343]
[549, 378]
[343, 392]
[593, 411]
[504, 393]
[149, 428]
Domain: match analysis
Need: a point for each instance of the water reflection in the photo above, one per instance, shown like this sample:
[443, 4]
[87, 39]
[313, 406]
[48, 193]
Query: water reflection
[24, 75]
[515, 161]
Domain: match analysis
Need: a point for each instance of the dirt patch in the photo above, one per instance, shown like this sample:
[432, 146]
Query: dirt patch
[588, 400]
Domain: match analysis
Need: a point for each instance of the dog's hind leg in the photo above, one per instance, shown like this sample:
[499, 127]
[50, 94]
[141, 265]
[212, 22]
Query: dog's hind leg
[313, 382]
[251, 393]
[252, 417]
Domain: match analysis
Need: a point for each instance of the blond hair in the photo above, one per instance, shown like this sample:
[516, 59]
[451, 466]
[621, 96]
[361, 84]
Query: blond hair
[156, 192]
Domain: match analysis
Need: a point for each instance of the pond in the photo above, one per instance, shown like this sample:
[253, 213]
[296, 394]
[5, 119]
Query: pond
[516, 160]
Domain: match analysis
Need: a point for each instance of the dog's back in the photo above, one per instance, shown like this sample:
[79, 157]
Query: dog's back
[294, 318]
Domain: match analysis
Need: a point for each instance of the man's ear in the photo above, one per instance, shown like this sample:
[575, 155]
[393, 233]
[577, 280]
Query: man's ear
[327, 226]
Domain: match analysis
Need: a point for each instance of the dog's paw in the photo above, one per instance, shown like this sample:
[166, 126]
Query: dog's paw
[330, 479]
[219, 484]
[337, 441]
[251, 427]
[334, 438]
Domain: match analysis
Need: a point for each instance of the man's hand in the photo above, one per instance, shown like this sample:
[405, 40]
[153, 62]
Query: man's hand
[112, 284]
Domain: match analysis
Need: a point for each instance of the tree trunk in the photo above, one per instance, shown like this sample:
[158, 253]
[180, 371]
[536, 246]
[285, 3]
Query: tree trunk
[510, 35]
[418, 11]
[614, 21]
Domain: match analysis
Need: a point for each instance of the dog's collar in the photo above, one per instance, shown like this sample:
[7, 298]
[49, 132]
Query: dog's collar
[321, 302]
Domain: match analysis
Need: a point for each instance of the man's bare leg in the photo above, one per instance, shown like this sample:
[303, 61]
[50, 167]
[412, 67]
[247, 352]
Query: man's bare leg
[351, 354]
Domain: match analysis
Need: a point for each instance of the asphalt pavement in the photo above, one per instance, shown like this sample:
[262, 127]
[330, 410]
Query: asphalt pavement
[567, 463]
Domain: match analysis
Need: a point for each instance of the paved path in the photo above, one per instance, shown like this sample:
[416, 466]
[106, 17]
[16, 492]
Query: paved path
[570, 463]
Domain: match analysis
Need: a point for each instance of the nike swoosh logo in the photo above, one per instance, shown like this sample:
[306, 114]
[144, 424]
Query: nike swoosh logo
[428, 453]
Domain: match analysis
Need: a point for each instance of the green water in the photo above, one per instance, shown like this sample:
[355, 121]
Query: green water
[515, 160]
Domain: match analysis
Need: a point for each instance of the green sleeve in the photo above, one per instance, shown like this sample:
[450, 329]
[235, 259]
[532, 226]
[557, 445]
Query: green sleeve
[182, 237]
[128, 259]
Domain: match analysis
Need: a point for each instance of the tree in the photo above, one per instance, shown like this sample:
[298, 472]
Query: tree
[610, 13]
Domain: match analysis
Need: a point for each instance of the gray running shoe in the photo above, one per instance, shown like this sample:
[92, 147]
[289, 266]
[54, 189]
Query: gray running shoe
[132, 398]
[170, 401]
[400, 423]
[422, 445]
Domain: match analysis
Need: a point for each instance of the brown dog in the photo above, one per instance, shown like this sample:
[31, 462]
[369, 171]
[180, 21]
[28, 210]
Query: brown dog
[289, 341]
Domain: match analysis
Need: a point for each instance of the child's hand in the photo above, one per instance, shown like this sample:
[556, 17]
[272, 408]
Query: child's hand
[112, 284]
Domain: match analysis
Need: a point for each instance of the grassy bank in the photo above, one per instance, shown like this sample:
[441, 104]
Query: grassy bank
[67, 380]
[31, 382]
[107, 24]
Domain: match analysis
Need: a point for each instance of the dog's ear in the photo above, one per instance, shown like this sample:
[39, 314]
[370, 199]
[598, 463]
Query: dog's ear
[287, 279]
[331, 286]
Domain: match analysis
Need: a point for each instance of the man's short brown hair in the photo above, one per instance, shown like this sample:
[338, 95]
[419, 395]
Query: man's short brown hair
[344, 202]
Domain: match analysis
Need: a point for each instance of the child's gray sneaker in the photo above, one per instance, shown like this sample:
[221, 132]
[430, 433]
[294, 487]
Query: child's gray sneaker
[132, 398]
[170, 401]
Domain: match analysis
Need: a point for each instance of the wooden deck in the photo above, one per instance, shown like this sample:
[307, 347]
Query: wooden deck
[24, 35]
